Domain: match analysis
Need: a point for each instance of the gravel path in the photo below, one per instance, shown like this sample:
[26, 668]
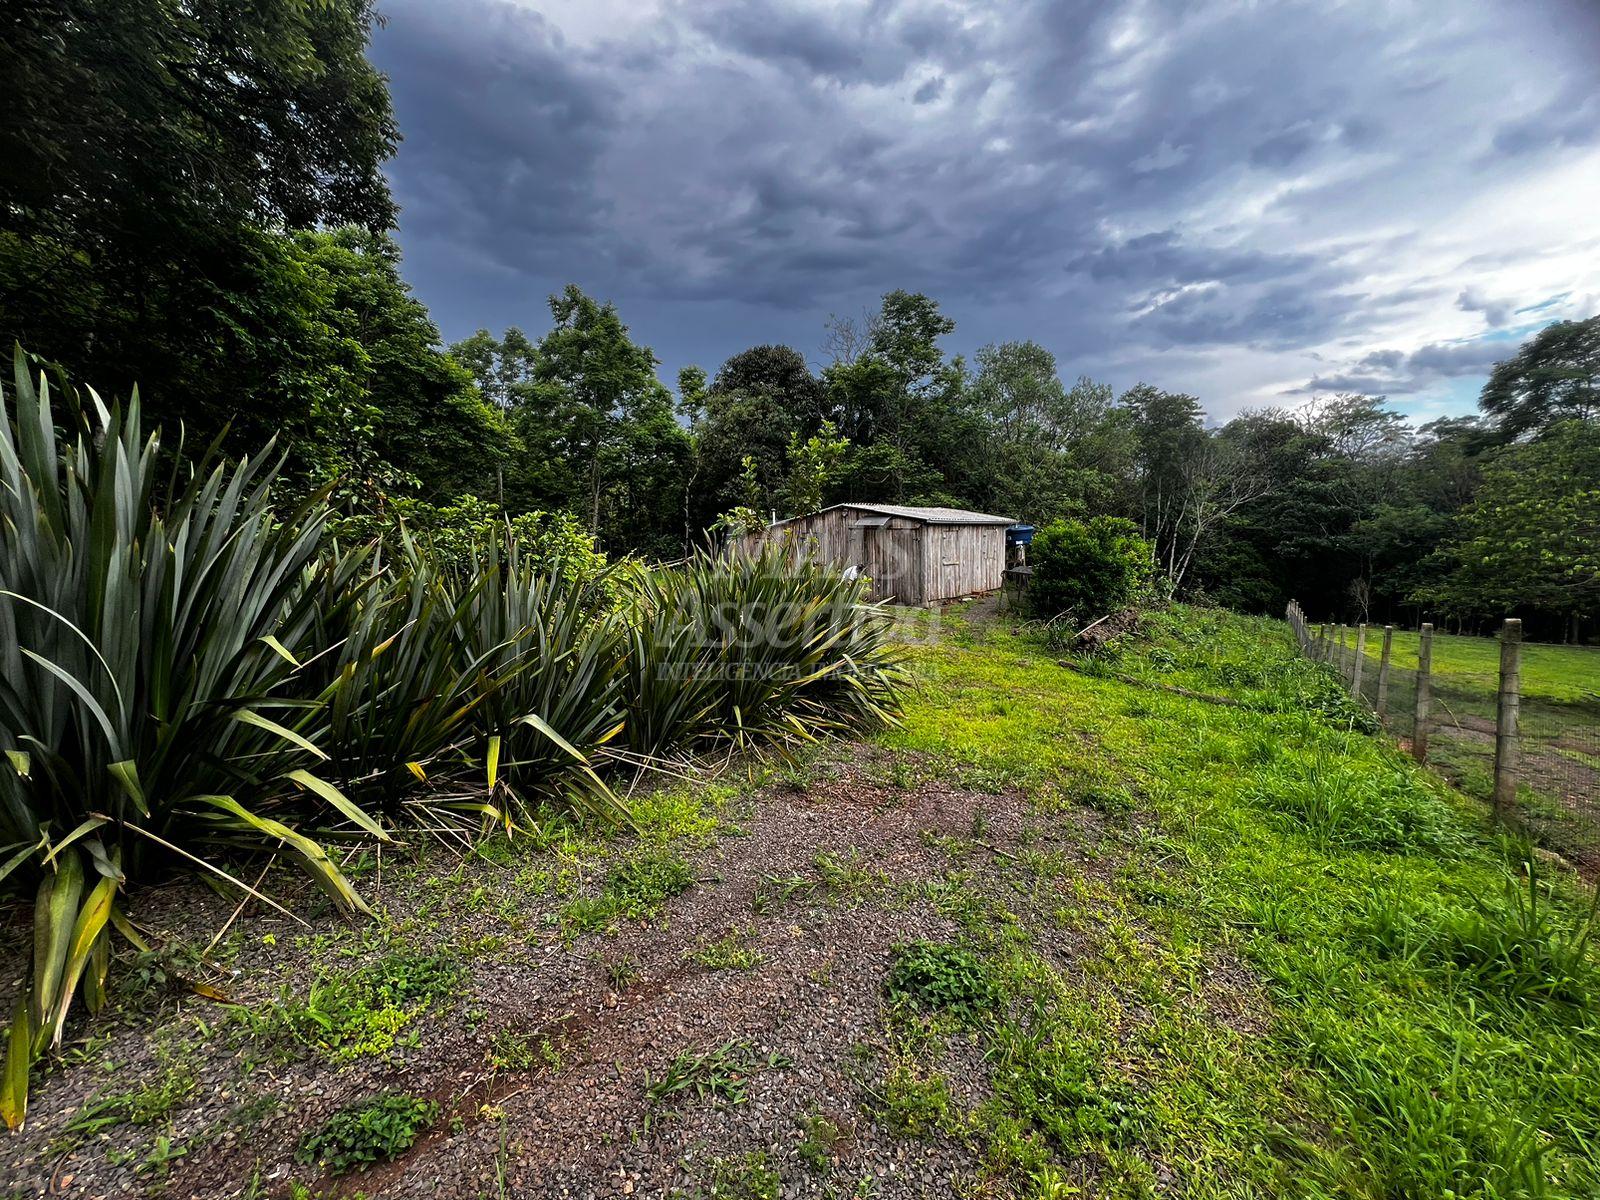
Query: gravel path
[577, 1121]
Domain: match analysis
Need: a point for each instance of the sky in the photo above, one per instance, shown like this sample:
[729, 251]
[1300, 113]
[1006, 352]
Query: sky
[1255, 202]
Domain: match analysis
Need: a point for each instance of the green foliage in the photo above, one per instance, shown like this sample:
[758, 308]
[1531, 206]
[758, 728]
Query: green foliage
[731, 952]
[371, 1131]
[1526, 540]
[1526, 947]
[142, 615]
[1553, 377]
[820, 1143]
[598, 427]
[346, 1016]
[1393, 1038]
[914, 1104]
[156, 157]
[813, 466]
[942, 977]
[745, 1177]
[455, 533]
[510, 1050]
[1343, 807]
[635, 889]
[1087, 568]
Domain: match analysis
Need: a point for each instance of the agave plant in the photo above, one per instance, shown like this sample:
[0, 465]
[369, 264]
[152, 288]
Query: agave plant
[152, 623]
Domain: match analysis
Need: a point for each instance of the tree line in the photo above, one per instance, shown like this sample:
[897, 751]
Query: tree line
[194, 201]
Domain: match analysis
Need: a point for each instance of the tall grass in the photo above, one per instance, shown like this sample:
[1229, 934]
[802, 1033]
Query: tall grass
[189, 674]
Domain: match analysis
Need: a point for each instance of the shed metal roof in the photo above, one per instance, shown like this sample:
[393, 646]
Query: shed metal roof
[926, 514]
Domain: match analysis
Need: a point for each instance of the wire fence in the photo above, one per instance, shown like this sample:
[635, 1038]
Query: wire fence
[1516, 725]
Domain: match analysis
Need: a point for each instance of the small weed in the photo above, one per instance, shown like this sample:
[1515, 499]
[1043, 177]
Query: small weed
[365, 1133]
[636, 890]
[624, 972]
[774, 891]
[149, 1104]
[844, 879]
[745, 1177]
[914, 1104]
[722, 1073]
[1344, 807]
[344, 1017]
[820, 1143]
[155, 974]
[1523, 949]
[729, 953]
[510, 1050]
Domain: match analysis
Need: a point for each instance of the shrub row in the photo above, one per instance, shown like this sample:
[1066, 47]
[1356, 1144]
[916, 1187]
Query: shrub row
[189, 672]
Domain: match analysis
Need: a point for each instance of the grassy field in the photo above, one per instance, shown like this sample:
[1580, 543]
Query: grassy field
[1559, 719]
[1063, 932]
[1409, 1050]
[1556, 674]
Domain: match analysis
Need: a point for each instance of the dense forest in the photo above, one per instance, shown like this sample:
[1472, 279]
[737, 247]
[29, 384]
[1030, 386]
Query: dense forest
[194, 202]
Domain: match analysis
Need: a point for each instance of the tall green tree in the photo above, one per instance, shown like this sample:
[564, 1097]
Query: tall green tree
[150, 157]
[414, 422]
[595, 406]
[1554, 377]
[759, 400]
[1530, 539]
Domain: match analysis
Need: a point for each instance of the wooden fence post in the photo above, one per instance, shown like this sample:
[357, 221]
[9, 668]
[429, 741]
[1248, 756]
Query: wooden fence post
[1322, 643]
[1383, 670]
[1341, 648]
[1360, 660]
[1506, 745]
[1419, 728]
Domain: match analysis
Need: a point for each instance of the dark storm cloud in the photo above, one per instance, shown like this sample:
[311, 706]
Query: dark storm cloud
[1125, 181]
[1395, 373]
[501, 128]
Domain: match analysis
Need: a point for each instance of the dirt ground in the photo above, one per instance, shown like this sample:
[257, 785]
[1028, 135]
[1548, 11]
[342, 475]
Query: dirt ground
[608, 1011]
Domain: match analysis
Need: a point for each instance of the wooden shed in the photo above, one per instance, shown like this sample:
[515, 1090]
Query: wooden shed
[913, 555]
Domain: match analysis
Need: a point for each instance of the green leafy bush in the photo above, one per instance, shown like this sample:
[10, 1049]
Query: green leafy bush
[936, 975]
[1088, 568]
[368, 1132]
[454, 533]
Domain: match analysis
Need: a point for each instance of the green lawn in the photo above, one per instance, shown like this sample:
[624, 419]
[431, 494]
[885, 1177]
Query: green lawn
[1422, 1033]
[1560, 674]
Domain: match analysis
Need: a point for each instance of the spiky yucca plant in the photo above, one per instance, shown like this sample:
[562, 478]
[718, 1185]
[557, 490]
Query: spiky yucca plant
[152, 620]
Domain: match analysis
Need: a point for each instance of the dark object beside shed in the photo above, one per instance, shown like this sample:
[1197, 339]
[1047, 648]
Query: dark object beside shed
[913, 554]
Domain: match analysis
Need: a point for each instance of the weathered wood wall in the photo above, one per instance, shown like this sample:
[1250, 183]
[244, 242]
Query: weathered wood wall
[962, 559]
[908, 561]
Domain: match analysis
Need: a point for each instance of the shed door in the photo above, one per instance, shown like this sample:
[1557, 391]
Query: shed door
[894, 560]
